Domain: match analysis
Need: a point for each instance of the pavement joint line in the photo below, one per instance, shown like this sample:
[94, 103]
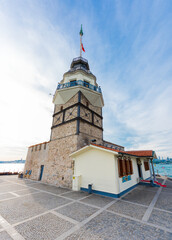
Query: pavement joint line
[152, 204]
[139, 204]
[165, 192]
[81, 224]
[10, 229]
[20, 190]
[15, 194]
[149, 190]
[6, 199]
[41, 214]
[162, 210]
[135, 203]
[64, 217]
[66, 192]
[55, 194]
[88, 204]
[140, 221]
[19, 196]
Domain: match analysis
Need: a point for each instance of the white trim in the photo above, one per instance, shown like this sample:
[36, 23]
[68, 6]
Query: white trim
[89, 147]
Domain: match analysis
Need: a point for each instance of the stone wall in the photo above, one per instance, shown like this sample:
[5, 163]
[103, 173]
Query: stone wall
[36, 157]
[58, 165]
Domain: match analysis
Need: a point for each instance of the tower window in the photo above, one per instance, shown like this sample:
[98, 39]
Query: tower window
[86, 84]
[73, 83]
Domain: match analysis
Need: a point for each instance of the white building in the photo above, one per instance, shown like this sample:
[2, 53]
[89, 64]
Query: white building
[109, 172]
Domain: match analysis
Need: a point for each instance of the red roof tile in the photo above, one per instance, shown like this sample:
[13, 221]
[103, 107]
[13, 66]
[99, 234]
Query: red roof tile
[139, 153]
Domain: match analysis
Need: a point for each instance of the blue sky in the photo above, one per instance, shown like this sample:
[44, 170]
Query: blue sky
[129, 48]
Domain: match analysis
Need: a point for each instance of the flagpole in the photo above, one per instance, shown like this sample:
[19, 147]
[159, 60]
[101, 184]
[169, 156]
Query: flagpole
[80, 45]
[81, 34]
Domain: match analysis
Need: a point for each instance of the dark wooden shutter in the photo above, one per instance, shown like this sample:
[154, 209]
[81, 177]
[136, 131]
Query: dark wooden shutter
[120, 168]
[146, 164]
[131, 166]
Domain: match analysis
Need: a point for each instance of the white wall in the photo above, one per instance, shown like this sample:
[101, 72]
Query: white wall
[79, 76]
[100, 168]
[97, 167]
[134, 177]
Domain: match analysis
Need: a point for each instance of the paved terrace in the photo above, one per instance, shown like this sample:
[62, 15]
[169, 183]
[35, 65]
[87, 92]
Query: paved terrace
[33, 210]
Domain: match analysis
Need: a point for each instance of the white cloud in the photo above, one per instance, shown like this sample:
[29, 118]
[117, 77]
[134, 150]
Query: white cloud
[32, 60]
[129, 51]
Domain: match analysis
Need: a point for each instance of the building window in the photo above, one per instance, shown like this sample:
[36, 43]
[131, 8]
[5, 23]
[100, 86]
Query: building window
[87, 104]
[44, 145]
[86, 84]
[146, 164]
[36, 148]
[125, 166]
[32, 149]
[73, 83]
[39, 147]
[61, 108]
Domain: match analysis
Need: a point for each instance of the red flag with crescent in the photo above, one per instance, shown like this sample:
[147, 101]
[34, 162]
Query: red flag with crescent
[82, 47]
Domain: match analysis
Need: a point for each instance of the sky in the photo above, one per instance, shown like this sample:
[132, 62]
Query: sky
[129, 49]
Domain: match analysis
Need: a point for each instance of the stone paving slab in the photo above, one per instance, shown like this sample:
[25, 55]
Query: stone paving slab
[148, 188]
[5, 236]
[75, 195]
[50, 188]
[11, 187]
[128, 209]
[46, 227]
[167, 190]
[97, 200]
[160, 180]
[108, 226]
[140, 196]
[169, 184]
[19, 209]
[77, 211]
[24, 182]
[164, 201]
[27, 191]
[161, 218]
[6, 196]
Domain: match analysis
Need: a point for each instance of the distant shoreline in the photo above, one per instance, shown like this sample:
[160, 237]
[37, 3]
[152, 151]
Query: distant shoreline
[16, 161]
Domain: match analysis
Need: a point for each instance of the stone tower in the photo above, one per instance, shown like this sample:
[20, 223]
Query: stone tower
[77, 120]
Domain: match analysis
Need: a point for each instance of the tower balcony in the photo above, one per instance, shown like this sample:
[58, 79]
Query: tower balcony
[79, 83]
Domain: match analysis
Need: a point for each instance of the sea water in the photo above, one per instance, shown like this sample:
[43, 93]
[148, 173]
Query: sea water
[11, 167]
[163, 169]
[160, 168]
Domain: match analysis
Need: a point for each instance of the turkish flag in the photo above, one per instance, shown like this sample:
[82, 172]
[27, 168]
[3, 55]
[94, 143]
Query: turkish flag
[83, 48]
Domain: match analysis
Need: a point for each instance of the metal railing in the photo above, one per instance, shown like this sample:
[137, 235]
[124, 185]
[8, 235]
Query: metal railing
[79, 83]
[78, 58]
